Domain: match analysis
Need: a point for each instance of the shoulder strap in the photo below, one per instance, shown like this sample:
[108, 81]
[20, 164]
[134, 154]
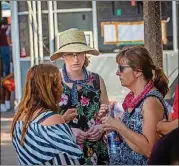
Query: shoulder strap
[96, 80]
[43, 116]
[155, 94]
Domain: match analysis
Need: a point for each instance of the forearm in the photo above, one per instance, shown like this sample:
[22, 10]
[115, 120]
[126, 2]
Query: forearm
[136, 142]
[8, 41]
[166, 127]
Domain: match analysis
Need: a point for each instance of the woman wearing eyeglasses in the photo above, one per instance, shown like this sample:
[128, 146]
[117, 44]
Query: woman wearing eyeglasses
[84, 91]
[144, 106]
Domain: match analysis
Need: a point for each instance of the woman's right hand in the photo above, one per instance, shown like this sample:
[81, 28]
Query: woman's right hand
[103, 110]
[80, 135]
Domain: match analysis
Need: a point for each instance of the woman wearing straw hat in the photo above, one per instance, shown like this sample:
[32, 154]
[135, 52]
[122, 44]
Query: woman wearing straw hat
[84, 91]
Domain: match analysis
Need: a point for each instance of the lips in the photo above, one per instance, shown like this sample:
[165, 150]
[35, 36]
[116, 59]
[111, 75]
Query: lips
[76, 64]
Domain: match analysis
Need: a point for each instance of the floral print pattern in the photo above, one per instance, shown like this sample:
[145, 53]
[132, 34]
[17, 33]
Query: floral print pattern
[63, 100]
[95, 153]
[84, 101]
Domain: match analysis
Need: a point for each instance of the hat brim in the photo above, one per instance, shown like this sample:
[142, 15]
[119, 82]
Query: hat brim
[73, 48]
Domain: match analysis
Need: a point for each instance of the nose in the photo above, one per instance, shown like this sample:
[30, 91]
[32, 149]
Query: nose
[75, 58]
[117, 72]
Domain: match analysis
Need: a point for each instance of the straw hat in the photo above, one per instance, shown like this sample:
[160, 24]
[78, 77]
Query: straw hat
[71, 41]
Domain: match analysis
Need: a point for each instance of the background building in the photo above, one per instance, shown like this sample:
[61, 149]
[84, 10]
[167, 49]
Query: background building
[108, 27]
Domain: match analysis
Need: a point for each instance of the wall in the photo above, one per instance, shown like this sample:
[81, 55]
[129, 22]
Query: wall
[104, 64]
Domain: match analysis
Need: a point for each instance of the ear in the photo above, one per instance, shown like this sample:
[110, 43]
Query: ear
[138, 73]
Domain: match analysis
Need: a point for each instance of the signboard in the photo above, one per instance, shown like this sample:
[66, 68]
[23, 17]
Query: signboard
[127, 33]
[110, 35]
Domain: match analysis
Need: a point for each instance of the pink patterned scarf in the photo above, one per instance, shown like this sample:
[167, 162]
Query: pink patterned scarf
[131, 102]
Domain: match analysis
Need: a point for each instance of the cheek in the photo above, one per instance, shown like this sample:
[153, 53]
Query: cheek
[127, 76]
[131, 78]
[68, 60]
[81, 60]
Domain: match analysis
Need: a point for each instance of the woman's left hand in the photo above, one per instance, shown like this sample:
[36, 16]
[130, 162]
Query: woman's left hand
[110, 123]
[95, 132]
[69, 115]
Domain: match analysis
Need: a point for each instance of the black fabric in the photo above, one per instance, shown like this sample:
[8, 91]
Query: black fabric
[72, 43]
[166, 150]
[96, 80]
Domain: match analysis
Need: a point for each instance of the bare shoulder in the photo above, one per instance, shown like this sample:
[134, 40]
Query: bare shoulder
[53, 120]
[153, 104]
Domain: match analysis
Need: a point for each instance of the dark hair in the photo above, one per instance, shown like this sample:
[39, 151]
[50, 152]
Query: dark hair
[138, 58]
[4, 21]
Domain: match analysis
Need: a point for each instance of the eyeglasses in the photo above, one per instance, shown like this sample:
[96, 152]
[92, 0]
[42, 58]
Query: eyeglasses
[122, 67]
[74, 54]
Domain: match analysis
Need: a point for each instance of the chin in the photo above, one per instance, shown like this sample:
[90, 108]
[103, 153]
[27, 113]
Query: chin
[123, 84]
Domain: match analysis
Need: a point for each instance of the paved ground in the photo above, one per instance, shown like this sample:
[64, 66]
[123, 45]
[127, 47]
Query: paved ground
[8, 155]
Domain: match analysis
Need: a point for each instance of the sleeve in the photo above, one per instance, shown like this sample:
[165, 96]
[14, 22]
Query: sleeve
[61, 139]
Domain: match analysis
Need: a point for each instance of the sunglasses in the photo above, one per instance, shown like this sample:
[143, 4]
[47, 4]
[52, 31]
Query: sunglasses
[122, 67]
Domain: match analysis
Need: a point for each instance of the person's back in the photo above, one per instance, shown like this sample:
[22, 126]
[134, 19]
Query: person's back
[39, 133]
[52, 144]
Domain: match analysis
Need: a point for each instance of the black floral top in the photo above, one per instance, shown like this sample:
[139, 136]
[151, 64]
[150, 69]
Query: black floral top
[95, 153]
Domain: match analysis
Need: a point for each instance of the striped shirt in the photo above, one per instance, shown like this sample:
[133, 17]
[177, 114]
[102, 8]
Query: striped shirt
[54, 145]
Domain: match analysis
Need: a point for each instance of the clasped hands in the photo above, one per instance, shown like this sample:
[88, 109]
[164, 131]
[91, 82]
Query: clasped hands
[93, 134]
[96, 131]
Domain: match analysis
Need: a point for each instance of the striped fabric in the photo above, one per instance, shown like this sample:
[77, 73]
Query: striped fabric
[54, 145]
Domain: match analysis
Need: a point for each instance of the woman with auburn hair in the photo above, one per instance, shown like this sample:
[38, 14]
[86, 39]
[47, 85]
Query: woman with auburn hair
[39, 133]
[144, 106]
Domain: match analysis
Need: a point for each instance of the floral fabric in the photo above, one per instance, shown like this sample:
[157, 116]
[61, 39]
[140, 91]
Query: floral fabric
[95, 153]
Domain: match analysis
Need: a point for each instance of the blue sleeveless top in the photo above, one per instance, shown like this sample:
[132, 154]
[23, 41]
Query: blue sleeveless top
[134, 121]
[51, 145]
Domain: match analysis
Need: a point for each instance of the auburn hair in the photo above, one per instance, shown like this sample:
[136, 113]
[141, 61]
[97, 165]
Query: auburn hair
[138, 58]
[42, 90]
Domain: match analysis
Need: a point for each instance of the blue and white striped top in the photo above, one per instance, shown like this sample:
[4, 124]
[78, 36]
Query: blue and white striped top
[55, 145]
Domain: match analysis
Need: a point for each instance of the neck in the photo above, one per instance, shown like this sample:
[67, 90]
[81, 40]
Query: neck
[75, 75]
[138, 87]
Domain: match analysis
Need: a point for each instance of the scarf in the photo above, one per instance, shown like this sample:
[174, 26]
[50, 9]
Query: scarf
[82, 83]
[131, 102]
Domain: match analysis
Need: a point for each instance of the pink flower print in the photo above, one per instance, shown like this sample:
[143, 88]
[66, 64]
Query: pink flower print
[84, 101]
[90, 79]
[63, 100]
[91, 123]
[94, 159]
